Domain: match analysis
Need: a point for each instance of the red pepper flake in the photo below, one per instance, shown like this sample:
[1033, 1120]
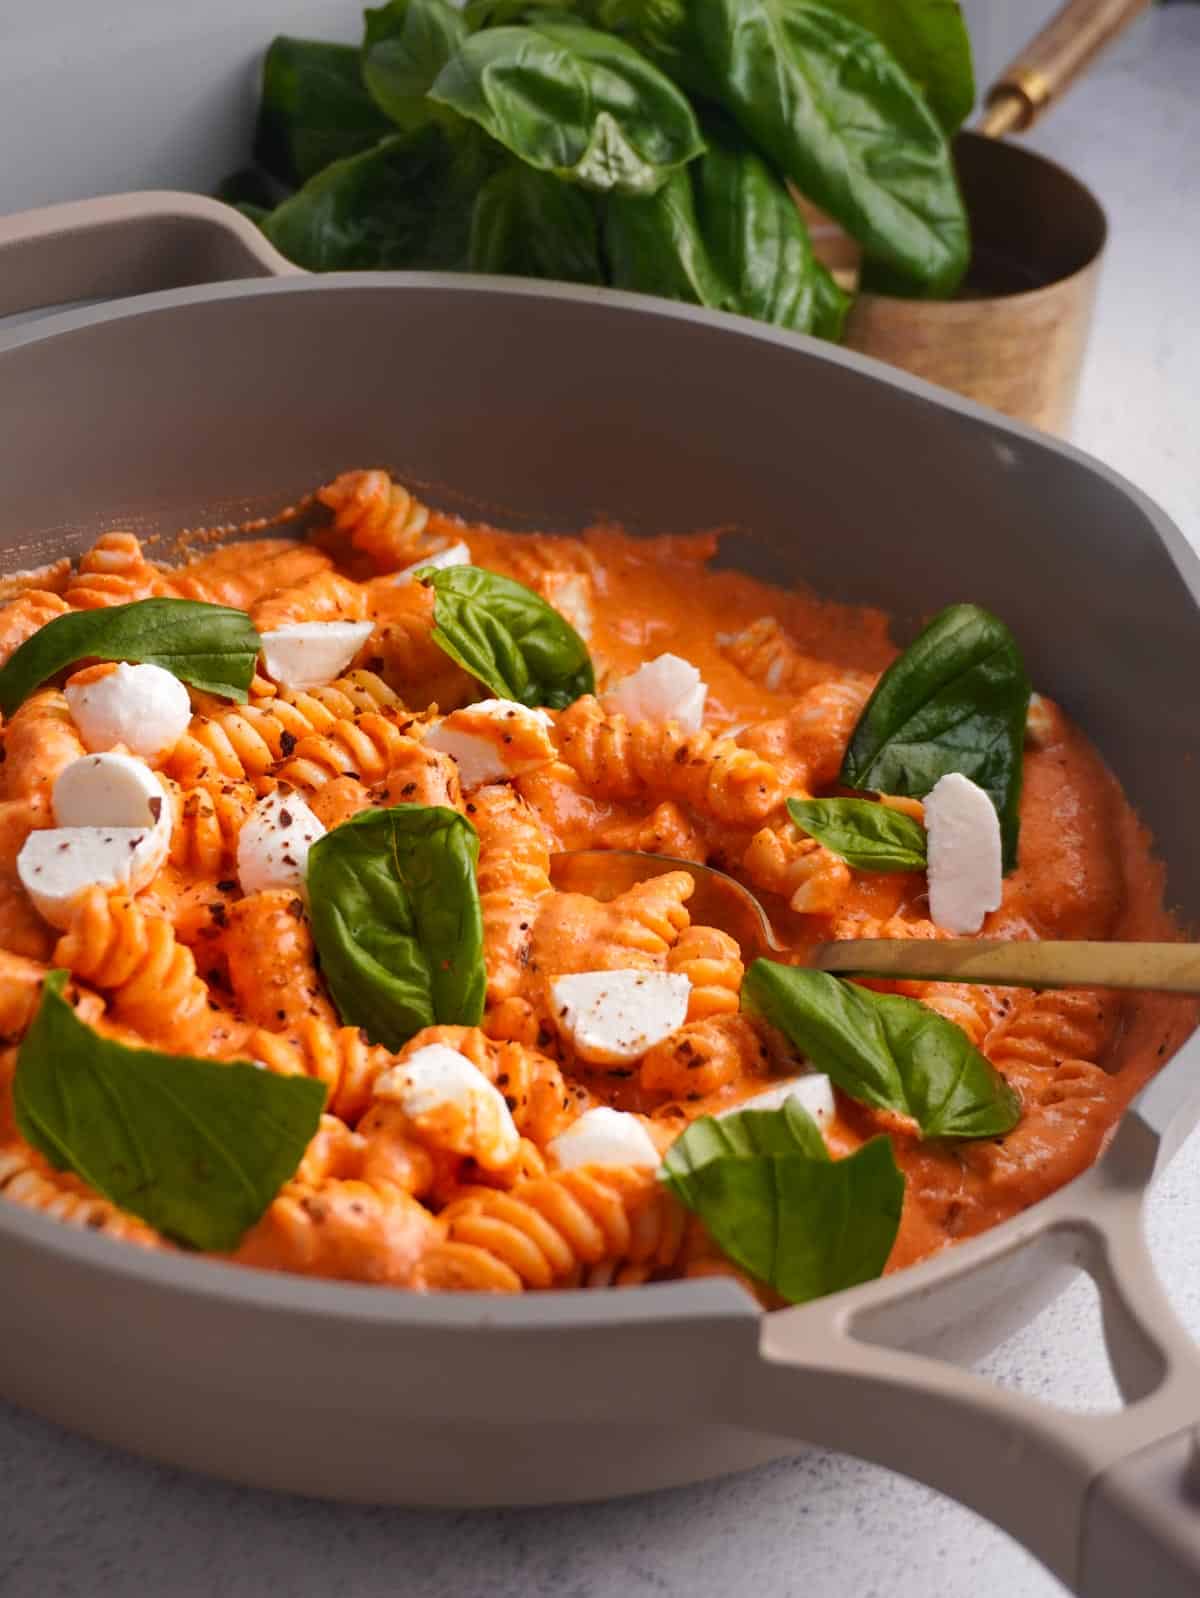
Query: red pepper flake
[155, 809]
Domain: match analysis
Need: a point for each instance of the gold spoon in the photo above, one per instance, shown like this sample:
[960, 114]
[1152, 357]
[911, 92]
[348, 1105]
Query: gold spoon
[720, 901]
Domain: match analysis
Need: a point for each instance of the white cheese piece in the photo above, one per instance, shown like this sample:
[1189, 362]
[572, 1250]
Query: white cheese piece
[57, 865]
[273, 845]
[493, 740]
[454, 1104]
[456, 555]
[813, 1093]
[665, 689]
[965, 876]
[571, 595]
[307, 654]
[110, 790]
[142, 707]
[615, 1016]
[603, 1137]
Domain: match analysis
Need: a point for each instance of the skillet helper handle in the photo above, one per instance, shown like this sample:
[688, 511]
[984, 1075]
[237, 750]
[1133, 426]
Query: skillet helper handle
[127, 244]
[1109, 1502]
[1051, 63]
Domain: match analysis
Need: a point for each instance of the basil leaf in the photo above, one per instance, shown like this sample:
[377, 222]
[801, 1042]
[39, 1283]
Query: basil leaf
[529, 224]
[196, 1148]
[770, 1196]
[955, 700]
[395, 915]
[407, 44]
[867, 836]
[930, 41]
[829, 105]
[654, 246]
[211, 646]
[724, 233]
[831, 305]
[573, 101]
[406, 203]
[314, 109]
[884, 1050]
[508, 637]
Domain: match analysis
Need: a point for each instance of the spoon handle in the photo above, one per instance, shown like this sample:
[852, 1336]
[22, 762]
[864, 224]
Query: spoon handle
[1164, 967]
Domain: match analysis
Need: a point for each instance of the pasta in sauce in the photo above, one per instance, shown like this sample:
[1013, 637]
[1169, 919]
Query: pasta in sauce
[383, 1194]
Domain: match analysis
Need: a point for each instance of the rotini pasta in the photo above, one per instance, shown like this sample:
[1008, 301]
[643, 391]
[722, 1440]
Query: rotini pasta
[447, 1164]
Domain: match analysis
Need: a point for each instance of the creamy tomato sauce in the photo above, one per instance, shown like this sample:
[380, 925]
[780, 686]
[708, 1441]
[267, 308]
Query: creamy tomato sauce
[384, 1195]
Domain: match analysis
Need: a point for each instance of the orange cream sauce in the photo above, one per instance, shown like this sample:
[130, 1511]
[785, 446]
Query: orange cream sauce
[1086, 870]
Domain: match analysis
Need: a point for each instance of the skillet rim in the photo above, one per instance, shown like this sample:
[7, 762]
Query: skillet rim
[254, 1288]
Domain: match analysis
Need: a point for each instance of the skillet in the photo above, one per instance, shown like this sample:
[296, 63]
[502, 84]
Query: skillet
[206, 404]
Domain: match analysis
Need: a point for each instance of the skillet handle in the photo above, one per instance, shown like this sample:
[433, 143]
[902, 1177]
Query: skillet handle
[1109, 1502]
[127, 244]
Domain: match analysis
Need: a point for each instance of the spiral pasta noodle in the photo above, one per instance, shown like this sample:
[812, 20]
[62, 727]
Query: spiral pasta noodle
[150, 977]
[378, 516]
[29, 1180]
[547, 1232]
[712, 962]
[113, 572]
[514, 878]
[24, 616]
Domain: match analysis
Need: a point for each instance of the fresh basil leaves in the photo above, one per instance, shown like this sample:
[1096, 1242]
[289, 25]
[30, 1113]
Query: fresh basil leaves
[886, 1051]
[405, 203]
[829, 105]
[211, 646]
[955, 700]
[929, 39]
[508, 637]
[314, 109]
[724, 233]
[767, 1191]
[194, 1147]
[395, 916]
[407, 44]
[866, 835]
[528, 224]
[571, 100]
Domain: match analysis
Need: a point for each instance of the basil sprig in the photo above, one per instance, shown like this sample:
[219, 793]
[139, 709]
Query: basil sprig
[955, 700]
[196, 1148]
[930, 41]
[508, 637]
[769, 1194]
[886, 1051]
[407, 44]
[574, 101]
[725, 233]
[866, 835]
[211, 646]
[395, 915]
[828, 104]
[314, 109]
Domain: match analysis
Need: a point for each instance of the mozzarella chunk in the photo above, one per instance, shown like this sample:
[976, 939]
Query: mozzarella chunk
[965, 875]
[665, 689]
[813, 1093]
[273, 845]
[453, 1105]
[110, 790]
[307, 654]
[142, 707]
[493, 740]
[57, 865]
[456, 555]
[603, 1137]
[571, 595]
[615, 1016]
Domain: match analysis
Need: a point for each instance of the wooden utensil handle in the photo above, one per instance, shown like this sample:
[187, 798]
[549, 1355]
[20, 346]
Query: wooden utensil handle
[1049, 64]
[1159, 967]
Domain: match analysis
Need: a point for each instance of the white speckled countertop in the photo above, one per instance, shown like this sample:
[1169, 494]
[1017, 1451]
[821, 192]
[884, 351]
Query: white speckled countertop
[80, 1521]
